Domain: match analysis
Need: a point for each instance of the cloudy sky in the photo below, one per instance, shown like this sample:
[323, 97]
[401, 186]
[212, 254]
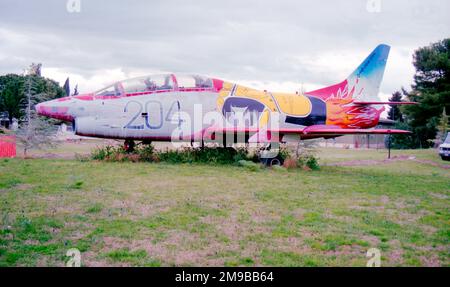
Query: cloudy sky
[267, 44]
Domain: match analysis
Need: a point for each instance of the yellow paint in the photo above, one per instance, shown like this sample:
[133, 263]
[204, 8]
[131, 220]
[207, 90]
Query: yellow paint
[294, 105]
[244, 92]
[264, 118]
[260, 96]
[220, 102]
[224, 92]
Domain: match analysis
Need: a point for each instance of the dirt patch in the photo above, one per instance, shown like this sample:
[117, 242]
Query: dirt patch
[293, 245]
[19, 187]
[372, 239]
[23, 186]
[438, 195]
[431, 261]
[396, 256]
[430, 162]
[352, 250]
[53, 156]
[368, 162]
[90, 259]
[179, 249]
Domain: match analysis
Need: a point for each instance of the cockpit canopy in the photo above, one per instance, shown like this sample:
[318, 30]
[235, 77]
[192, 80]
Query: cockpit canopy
[156, 83]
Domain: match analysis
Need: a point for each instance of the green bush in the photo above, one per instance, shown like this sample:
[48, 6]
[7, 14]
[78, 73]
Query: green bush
[147, 153]
[284, 153]
[216, 155]
[249, 165]
[108, 152]
[308, 160]
[173, 156]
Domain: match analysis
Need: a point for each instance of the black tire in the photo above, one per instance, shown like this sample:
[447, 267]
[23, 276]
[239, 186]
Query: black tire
[278, 160]
[447, 158]
[129, 146]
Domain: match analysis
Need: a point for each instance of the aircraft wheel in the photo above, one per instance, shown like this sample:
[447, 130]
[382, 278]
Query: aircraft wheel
[129, 146]
[278, 160]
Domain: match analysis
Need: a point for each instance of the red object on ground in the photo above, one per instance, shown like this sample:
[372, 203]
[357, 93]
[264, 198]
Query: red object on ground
[7, 146]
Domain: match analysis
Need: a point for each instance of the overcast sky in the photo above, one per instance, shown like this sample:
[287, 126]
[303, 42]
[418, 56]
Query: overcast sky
[276, 45]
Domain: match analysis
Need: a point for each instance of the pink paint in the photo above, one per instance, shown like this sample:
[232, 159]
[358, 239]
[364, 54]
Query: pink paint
[338, 91]
[334, 91]
[218, 84]
[86, 97]
[7, 146]
[59, 113]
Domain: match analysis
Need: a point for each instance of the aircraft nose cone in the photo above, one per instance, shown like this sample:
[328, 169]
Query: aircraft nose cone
[39, 108]
[54, 109]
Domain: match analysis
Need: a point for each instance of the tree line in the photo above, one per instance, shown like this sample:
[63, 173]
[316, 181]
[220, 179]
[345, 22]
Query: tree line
[428, 120]
[13, 88]
[18, 96]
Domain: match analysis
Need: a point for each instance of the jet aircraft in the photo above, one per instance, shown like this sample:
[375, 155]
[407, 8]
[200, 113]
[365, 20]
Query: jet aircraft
[194, 108]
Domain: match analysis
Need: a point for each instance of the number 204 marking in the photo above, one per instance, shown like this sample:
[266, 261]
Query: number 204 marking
[150, 122]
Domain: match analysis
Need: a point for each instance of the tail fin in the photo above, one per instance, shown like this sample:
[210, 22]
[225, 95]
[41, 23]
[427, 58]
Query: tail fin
[364, 83]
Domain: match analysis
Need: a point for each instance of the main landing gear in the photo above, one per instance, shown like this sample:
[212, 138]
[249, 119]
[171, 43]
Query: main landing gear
[129, 146]
[270, 156]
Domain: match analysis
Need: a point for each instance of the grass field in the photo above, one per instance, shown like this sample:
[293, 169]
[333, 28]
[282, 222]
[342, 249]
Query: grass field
[127, 214]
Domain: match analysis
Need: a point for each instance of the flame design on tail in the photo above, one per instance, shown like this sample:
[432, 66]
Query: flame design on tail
[362, 85]
[341, 112]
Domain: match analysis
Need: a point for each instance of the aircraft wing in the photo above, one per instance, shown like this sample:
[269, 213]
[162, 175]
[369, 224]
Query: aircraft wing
[384, 103]
[335, 130]
[315, 131]
[312, 130]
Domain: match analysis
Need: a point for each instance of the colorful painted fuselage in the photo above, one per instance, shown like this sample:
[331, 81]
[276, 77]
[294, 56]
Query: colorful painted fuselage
[156, 107]
[147, 111]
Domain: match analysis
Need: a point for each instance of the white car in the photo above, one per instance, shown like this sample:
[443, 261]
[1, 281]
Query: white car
[444, 148]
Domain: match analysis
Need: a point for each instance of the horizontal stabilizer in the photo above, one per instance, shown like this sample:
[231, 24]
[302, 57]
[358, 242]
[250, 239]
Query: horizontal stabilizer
[386, 122]
[385, 103]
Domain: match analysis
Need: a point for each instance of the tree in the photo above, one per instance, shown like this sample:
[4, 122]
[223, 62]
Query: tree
[431, 89]
[34, 131]
[394, 111]
[12, 91]
[395, 114]
[11, 94]
[400, 141]
[442, 127]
